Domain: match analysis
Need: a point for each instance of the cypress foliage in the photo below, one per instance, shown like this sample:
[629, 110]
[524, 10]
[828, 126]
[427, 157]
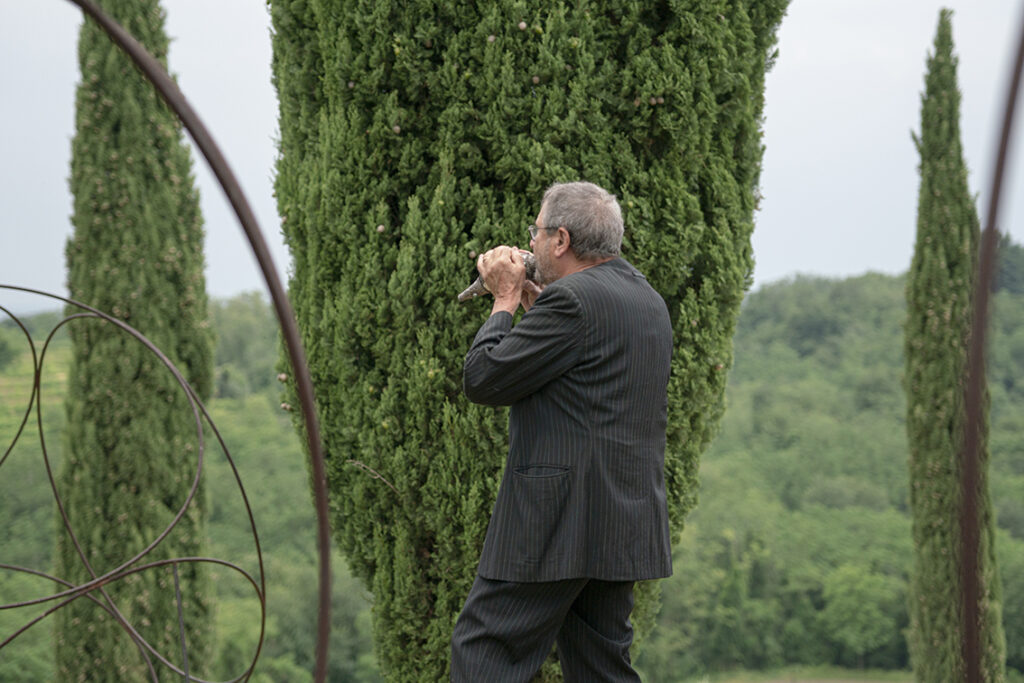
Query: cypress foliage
[416, 135]
[939, 290]
[131, 453]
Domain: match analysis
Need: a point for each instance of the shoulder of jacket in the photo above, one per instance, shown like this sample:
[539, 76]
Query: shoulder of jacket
[564, 290]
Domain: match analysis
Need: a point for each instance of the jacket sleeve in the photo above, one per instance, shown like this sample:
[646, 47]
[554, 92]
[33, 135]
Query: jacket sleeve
[505, 364]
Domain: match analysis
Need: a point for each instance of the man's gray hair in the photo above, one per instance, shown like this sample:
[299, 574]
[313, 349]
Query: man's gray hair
[590, 214]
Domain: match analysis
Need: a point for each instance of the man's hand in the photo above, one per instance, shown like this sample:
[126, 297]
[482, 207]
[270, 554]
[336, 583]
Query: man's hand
[531, 290]
[504, 274]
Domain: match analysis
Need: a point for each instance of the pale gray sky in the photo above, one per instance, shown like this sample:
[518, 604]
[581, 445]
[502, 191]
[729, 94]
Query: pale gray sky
[840, 171]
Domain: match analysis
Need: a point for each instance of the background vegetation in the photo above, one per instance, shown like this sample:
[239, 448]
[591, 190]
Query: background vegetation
[798, 553]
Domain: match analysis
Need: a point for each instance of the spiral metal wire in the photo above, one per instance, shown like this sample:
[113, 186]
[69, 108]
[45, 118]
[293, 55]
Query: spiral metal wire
[134, 564]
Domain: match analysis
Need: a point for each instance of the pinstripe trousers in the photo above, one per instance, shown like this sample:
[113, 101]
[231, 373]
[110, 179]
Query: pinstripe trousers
[506, 630]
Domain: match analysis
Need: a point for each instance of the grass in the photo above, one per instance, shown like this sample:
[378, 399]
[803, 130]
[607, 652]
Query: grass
[808, 674]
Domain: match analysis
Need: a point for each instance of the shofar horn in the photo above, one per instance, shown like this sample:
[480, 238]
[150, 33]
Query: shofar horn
[477, 288]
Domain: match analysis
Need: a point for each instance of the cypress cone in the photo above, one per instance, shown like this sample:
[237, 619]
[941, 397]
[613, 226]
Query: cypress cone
[939, 291]
[131, 444]
[417, 135]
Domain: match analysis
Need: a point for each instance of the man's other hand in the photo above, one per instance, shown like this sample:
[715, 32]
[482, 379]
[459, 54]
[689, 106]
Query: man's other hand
[531, 290]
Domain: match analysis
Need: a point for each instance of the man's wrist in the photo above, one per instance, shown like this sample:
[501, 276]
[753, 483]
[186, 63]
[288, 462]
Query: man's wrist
[506, 304]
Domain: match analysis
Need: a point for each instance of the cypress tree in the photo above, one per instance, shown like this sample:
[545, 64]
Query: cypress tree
[131, 446]
[939, 291]
[416, 135]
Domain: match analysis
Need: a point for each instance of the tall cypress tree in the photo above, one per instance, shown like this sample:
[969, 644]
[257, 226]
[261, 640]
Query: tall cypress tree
[939, 291]
[131, 451]
[415, 135]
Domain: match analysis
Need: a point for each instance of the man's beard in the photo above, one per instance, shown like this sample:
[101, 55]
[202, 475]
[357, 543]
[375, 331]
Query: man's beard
[545, 273]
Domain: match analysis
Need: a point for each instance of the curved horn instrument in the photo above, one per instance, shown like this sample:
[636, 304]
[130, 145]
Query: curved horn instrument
[477, 288]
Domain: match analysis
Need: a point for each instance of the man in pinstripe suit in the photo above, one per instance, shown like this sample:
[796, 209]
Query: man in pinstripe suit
[581, 512]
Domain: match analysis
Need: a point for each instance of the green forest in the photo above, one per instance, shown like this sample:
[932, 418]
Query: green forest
[797, 553]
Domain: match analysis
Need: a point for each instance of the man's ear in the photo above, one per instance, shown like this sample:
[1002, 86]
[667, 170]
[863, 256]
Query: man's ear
[562, 241]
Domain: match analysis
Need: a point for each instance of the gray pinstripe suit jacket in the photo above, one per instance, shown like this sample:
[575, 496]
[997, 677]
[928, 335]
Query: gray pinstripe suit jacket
[585, 373]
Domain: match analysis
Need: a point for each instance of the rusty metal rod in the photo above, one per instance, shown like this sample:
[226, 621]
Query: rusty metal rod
[174, 98]
[973, 394]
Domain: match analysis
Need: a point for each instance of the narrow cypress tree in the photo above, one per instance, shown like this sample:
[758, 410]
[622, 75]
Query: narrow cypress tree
[939, 290]
[131, 452]
[415, 135]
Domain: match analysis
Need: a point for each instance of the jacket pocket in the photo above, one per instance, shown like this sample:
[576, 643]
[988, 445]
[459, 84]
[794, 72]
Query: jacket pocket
[540, 497]
[532, 471]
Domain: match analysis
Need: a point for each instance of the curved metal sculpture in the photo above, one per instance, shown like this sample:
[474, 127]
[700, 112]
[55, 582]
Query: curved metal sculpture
[134, 564]
[172, 95]
[174, 98]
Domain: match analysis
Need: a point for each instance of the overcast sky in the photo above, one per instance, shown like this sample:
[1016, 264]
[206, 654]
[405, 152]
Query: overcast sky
[840, 170]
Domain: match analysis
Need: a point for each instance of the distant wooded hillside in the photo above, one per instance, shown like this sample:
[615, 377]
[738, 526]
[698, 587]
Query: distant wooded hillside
[798, 551]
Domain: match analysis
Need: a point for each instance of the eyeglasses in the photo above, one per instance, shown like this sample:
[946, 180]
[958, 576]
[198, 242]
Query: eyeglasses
[533, 229]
